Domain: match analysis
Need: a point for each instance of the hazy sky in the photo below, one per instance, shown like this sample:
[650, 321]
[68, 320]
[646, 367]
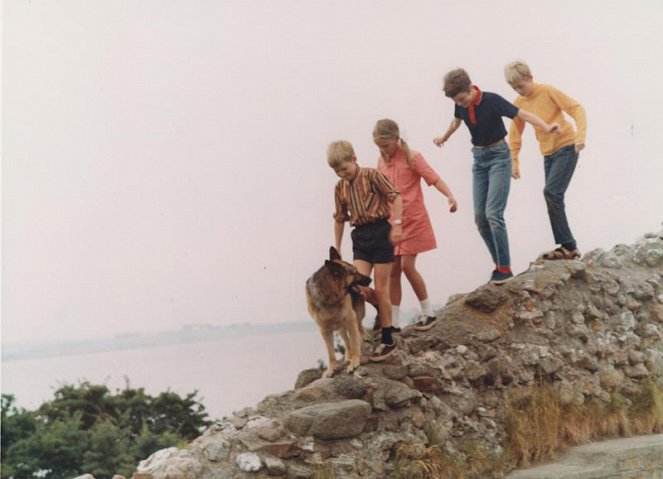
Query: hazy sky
[164, 161]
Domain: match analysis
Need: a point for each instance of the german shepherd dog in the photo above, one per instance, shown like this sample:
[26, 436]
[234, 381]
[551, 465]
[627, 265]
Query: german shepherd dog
[336, 305]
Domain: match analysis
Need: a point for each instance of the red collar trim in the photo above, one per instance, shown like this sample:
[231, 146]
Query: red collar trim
[478, 95]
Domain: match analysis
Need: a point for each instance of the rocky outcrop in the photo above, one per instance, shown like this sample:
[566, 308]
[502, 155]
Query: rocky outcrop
[589, 328]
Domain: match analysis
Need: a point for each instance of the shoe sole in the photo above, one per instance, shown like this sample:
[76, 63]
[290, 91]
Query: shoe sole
[424, 327]
[382, 357]
[500, 281]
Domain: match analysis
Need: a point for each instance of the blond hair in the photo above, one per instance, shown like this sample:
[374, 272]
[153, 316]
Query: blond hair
[455, 82]
[516, 72]
[338, 152]
[387, 129]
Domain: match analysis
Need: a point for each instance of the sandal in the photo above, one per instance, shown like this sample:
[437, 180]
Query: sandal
[562, 253]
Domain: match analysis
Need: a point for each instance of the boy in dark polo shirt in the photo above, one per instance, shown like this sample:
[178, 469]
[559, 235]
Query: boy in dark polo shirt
[482, 112]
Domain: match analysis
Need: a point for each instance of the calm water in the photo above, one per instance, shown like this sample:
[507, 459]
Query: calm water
[229, 374]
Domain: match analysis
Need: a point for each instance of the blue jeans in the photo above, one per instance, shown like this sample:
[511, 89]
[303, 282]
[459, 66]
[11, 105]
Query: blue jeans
[559, 168]
[491, 174]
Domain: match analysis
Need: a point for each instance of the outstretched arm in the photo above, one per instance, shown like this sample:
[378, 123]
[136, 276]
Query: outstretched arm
[442, 187]
[537, 122]
[571, 107]
[440, 140]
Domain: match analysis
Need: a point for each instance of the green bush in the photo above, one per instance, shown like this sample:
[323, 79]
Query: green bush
[88, 429]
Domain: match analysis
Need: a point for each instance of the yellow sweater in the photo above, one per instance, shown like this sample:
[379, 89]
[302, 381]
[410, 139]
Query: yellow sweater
[548, 103]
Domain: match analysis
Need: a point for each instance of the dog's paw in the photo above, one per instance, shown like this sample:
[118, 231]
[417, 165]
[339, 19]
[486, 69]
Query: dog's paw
[352, 367]
[329, 372]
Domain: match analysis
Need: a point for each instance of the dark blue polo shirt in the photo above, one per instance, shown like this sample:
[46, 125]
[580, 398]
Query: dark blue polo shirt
[489, 127]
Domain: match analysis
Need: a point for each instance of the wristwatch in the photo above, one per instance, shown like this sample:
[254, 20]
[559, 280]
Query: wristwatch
[397, 222]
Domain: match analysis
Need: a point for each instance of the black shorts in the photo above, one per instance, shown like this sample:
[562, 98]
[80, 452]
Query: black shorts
[370, 242]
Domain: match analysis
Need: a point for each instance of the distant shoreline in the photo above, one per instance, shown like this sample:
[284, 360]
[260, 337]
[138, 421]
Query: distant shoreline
[193, 333]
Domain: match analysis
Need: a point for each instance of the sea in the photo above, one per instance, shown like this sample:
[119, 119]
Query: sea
[229, 371]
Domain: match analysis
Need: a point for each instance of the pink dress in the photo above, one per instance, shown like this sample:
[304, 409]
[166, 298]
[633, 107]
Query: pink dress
[418, 233]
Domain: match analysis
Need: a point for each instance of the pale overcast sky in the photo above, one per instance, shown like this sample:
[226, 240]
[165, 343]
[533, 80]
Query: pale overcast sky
[164, 160]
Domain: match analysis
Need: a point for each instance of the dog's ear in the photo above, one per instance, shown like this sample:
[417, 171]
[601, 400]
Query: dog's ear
[333, 254]
[335, 268]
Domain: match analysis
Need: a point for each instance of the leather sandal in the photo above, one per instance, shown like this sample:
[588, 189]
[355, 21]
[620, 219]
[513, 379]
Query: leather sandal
[562, 253]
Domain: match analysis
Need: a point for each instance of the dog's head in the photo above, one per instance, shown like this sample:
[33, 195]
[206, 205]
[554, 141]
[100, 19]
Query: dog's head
[344, 270]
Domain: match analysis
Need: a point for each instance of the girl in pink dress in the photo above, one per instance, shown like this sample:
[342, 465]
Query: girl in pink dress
[405, 168]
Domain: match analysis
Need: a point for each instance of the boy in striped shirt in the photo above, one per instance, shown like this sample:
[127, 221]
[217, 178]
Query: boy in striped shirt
[364, 197]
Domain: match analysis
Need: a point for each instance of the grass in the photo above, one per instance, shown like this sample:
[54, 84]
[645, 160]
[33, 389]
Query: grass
[538, 428]
[416, 461]
[324, 470]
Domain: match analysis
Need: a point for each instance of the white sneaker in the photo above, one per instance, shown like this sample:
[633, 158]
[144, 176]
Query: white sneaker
[424, 322]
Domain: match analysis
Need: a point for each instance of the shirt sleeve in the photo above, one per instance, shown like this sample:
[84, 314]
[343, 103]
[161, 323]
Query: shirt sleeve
[384, 186]
[341, 208]
[574, 109]
[424, 170]
[515, 138]
[505, 108]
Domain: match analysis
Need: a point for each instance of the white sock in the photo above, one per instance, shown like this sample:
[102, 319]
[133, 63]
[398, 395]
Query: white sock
[426, 307]
[395, 315]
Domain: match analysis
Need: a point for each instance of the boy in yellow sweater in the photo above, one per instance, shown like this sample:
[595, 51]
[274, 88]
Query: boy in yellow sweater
[560, 149]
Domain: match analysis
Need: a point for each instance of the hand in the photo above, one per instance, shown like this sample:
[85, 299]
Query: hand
[439, 141]
[516, 173]
[453, 206]
[396, 234]
[553, 128]
[579, 147]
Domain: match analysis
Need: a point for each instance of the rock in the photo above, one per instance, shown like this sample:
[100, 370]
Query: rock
[350, 387]
[425, 383]
[639, 371]
[217, 450]
[488, 334]
[398, 395]
[475, 373]
[318, 390]
[171, 462]
[611, 378]
[282, 449]
[297, 471]
[330, 420]
[395, 372]
[610, 260]
[275, 467]
[307, 376]
[649, 330]
[248, 462]
[486, 299]
[636, 357]
[85, 476]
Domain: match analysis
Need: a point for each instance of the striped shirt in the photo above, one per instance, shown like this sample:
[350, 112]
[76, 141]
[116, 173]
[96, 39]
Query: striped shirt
[365, 199]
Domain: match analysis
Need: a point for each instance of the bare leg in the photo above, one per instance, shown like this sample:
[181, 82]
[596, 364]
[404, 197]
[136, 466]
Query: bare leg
[381, 292]
[382, 272]
[395, 291]
[413, 276]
